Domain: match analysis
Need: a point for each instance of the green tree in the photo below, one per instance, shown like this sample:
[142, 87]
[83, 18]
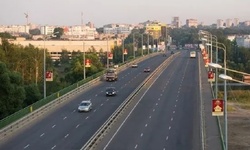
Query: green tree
[11, 91]
[58, 32]
[32, 94]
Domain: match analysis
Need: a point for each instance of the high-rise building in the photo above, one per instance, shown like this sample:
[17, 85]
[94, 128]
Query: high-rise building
[191, 23]
[236, 22]
[176, 22]
[229, 23]
[220, 23]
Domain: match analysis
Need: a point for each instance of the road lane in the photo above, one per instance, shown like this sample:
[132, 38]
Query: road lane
[65, 128]
[168, 115]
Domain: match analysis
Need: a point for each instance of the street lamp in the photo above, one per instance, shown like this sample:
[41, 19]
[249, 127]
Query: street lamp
[107, 52]
[44, 62]
[142, 44]
[84, 64]
[225, 91]
[122, 49]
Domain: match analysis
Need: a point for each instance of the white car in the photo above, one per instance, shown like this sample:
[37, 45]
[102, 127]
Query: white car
[85, 106]
[134, 66]
[192, 54]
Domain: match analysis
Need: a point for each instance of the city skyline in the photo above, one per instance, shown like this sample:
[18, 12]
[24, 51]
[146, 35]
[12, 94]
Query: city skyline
[132, 12]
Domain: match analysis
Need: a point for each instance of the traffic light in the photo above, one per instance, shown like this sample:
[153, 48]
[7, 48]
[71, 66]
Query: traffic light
[49, 76]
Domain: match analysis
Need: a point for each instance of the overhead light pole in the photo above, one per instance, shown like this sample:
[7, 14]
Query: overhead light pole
[122, 49]
[134, 45]
[142, 44]
[84, 59]
[225, 77]
[107, 52]
[44, 62]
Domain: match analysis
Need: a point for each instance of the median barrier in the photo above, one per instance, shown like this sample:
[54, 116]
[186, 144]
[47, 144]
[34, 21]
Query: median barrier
[102, 131]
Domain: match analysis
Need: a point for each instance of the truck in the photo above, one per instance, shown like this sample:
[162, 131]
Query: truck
[111, 74]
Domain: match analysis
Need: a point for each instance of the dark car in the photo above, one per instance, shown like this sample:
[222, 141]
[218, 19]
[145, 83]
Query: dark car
[110, 91]
[147, 69]
[172, 52]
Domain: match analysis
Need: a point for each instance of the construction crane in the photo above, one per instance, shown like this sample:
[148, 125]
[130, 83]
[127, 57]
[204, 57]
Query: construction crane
[27, 18]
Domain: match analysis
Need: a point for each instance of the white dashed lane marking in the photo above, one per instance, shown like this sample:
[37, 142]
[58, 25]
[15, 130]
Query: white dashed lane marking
[26, 146]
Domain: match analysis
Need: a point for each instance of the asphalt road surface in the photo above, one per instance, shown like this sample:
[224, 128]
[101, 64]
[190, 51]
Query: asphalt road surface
[67, 129]
[168, 116]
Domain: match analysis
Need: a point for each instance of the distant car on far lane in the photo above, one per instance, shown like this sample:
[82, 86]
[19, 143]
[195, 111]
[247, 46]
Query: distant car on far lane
[147, 69]
[134, 66]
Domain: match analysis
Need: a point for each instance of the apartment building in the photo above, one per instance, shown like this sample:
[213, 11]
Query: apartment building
[220, 23]
[15, 29]
[176, 23]
[192, 23]
[117, 29]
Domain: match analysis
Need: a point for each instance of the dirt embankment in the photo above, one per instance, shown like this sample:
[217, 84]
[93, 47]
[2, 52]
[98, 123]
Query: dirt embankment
[238, 128]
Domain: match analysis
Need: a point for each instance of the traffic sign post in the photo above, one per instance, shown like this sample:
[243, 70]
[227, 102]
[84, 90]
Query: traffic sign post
[87, 63]
[49, 76]
[211, 76]
[110, 55]
[217, 107]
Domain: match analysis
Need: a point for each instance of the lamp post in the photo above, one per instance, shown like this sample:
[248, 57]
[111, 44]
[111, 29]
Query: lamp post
[148, 43]
[122, 50]
[216, 58]
[84, 63]
[107, 52]
[134, 45]
[142, 44]
[44, 62]
[225, 92]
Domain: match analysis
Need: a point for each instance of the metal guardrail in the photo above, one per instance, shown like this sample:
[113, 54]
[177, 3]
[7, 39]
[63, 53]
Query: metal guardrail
[112, 119]
[25, 116]
[42, 110]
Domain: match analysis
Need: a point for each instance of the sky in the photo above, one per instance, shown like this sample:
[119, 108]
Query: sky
[101, 12]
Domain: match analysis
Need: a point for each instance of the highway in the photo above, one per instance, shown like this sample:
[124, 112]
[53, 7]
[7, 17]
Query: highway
[65, 128]
[167, 116]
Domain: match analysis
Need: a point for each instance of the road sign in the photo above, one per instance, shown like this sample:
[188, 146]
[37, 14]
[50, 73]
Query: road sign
[211, 76]
[217, 107]
[49, 76]
[110, 55]
[125, 52]
[87, 63]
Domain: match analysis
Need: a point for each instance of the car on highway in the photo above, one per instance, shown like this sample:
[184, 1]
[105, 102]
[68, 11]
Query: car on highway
[172, 52]
[147, 69]
[85, 106]
[134, 66]
[110, 91]
[192, 54]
